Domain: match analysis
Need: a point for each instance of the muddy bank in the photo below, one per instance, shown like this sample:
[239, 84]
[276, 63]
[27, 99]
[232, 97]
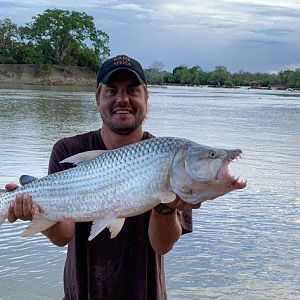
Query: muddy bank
[37, 75]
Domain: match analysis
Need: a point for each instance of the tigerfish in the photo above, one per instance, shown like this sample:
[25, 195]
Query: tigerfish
[106, 187]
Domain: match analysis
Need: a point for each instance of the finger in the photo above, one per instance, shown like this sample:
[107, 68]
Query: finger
[182, 205]
[27, 204]
[18, 207]
[11, 186]
[11, 217]
[179, 204]
[34, 209]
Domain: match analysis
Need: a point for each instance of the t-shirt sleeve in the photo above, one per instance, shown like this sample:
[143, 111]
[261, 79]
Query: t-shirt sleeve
[186, 220]
[59, 152]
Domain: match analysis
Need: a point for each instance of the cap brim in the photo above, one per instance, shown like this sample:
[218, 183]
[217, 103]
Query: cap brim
[105, 79]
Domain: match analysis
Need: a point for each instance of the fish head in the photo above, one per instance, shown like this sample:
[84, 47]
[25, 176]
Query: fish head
[201, 173]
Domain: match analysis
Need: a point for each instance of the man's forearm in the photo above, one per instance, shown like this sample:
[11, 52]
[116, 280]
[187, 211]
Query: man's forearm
[164, 231]
[60, 233]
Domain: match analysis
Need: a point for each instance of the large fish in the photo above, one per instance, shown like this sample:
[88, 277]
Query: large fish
[107, 186]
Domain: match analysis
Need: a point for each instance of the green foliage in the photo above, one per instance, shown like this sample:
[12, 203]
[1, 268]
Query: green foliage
[61, 36]
[221, 77]
[54, 37]
[154, 74]
[9, 37]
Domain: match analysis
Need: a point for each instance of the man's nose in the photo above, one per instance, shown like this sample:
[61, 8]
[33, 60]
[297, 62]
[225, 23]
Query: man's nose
[122, 96]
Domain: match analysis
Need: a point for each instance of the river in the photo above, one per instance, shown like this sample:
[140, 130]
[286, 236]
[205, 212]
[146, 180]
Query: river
[245, 245]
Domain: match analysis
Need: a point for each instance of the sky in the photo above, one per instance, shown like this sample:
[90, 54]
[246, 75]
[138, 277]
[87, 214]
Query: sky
[248, 35]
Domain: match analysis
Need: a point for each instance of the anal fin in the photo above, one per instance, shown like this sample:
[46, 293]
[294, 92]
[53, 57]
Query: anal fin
[39, 223]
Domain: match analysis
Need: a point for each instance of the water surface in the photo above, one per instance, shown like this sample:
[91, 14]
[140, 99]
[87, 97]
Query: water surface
[245, 245]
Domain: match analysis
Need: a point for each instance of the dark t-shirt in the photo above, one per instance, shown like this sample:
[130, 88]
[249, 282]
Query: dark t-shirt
[125, 267]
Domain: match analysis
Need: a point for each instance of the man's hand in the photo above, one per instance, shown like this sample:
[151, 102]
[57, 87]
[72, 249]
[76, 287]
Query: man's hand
[22, 208]
[181, 205]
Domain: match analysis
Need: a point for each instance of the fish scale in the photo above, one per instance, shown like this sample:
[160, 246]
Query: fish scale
[115, 184]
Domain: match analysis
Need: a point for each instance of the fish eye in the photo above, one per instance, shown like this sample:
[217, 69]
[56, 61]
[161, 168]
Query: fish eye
[212, 154]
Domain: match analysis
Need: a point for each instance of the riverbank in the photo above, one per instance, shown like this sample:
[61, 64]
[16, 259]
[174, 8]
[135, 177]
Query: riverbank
[48, 76]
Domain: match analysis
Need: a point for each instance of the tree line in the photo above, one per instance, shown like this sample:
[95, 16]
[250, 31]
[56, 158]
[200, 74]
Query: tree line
[70, 38]
[221, 77]
[55, 37]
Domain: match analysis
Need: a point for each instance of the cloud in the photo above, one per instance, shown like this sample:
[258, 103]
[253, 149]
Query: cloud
[255, 43]
[132, 7]
[236, 33]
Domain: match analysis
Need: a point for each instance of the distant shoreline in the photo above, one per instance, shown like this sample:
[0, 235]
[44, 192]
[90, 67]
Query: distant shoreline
[27, 74]
[62, 77]
[165, 86]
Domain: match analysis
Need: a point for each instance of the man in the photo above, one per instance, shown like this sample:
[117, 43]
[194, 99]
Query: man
[129, 266]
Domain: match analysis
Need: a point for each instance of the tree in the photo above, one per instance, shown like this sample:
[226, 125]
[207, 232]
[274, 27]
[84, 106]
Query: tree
[293, 79]
[197, 75]
[62, 36]
[155, 74]
[9, 36]
[220, 76]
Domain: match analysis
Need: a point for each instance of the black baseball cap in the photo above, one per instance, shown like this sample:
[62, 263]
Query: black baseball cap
[120, 62]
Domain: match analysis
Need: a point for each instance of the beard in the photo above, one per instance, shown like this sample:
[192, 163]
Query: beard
[123, 128]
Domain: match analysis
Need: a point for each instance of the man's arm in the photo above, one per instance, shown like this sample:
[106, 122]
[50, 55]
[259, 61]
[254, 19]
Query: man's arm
[165, 230]
[23, 208]
[61, 233]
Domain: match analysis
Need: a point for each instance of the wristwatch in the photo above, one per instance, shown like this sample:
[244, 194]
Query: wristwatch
[164, 209]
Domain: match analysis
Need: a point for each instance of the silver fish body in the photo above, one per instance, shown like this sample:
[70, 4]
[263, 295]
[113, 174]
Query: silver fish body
[108, 186]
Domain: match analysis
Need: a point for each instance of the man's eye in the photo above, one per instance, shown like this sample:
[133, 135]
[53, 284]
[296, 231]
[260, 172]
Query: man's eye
[133, 91]
[110, 91]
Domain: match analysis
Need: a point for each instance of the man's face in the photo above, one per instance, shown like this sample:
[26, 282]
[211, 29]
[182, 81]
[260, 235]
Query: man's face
[122, 103]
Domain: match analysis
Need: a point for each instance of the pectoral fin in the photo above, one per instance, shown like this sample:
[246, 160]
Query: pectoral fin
[82, 157]
[165, 197]
[115, 227]
[39, 223]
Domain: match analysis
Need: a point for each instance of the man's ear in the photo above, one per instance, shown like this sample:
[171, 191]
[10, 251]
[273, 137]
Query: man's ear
[97, 99]
[97, 94]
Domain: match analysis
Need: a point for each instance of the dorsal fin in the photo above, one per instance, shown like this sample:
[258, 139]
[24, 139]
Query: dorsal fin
[82, 157]
[25, 179]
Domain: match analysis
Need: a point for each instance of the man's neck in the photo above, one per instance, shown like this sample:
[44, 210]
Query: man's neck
[113, 140]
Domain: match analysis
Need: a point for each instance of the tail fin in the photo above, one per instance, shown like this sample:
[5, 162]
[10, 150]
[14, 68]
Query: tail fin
[2, 219]
[2, 216]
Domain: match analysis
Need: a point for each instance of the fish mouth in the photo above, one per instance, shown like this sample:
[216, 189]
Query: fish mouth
[224, 175]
